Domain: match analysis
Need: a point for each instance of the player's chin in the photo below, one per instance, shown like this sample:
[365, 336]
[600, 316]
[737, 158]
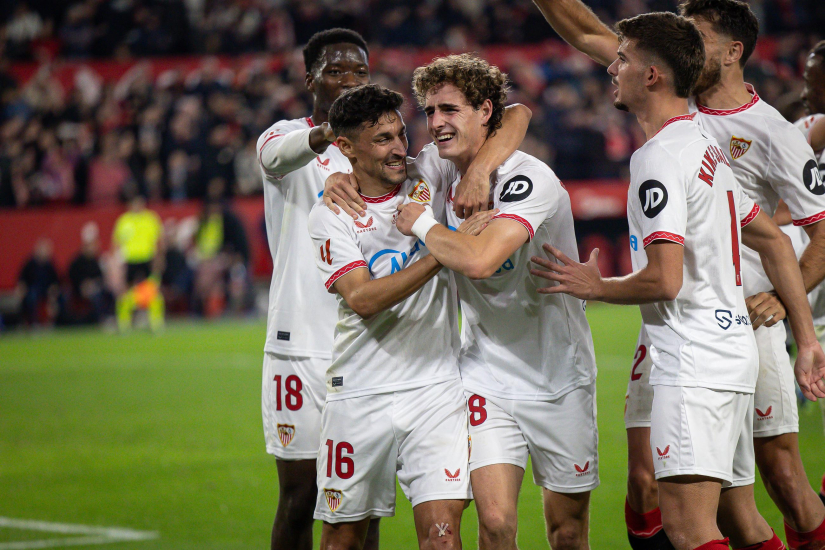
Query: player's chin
[395, 174]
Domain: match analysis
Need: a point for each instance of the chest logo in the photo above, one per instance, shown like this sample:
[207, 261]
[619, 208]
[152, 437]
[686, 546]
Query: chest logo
[364, 226]
[653, 198]
[518, 188]
[421, 192]
[323, 162]
[739, 146]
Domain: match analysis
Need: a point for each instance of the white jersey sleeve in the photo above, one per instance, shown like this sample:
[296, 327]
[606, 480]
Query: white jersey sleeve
[793, 171]
[285, 148]
[748, 209]
[529, 197]
[661, 197]
[335, 247]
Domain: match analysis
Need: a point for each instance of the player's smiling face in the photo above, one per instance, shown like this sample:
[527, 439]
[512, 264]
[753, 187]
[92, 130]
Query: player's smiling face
[380, 153]
[813, 94]
[341, 67]
[628, 72]
[456, 127]
[715, 48]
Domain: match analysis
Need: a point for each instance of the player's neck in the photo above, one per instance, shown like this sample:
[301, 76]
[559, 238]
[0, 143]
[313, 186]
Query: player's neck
[464, 161]
[658, 111]
[370, 186]
[319, 116]
[729, 93]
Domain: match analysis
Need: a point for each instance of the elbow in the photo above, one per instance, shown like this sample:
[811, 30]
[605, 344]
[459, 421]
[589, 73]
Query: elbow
[523, 111]
[362, 307]
[671, 288]
[478, 270]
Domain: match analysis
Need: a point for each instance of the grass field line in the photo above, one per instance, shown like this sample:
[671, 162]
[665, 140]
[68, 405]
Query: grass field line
[94, 534]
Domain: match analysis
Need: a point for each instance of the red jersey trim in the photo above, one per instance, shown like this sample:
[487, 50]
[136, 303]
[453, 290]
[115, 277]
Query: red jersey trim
[519, 219]
[382, 198]
[725, 112]
[343, 271]
[750, 217]
[676, 119]
[810, 219]
[664, 236]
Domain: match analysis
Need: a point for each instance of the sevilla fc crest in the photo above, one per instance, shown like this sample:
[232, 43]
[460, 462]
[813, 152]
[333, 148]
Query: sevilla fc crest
[285, 433]
[421, 192]
[739, 146]
[333, 498]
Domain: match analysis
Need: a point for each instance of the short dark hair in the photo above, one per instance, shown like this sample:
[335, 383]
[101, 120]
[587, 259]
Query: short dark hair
[674, 40]
[362, 105]
[733, 18]
[315, 46]
[477, 80]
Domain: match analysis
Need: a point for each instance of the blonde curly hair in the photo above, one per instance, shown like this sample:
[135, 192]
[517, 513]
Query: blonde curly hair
[477, 80]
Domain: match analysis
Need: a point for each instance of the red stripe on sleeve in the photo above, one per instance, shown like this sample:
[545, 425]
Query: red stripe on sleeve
[664, 236]
[810, 219]
[343, 271]
[519, 219]
[750, 217]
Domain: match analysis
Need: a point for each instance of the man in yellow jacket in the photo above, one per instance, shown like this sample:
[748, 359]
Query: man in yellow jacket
[138, 236]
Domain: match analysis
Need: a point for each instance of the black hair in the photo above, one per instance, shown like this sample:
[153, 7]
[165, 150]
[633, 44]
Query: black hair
[733, 18]
[315, 46]
[362, 105]
[819, 49]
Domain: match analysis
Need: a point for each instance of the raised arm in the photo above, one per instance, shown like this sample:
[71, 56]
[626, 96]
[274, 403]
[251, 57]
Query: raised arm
[281, 151]
[779, 261]
[473, 191]
[579, 27]
[660, 280]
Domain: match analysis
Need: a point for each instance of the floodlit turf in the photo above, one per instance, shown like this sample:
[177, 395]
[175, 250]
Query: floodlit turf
[163, 433]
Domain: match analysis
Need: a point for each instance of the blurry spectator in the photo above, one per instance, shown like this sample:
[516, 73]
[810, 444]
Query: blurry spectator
[88, 301]
[178, 277]
[37, 287]
[138, 235]
[108, 172]
[248, 180]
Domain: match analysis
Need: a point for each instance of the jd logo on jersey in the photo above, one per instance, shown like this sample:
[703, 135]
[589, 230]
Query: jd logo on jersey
[813, 178]
[653, 196]
[516, 189]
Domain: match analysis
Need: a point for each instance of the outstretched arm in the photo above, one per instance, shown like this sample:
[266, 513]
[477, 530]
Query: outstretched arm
[579, 27]
[660, 280]
[281, 152]
[779, 261]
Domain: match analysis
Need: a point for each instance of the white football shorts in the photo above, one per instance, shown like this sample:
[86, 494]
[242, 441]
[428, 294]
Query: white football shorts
[561, 437]
[639, 397]
[775, 408]
[420, 435]
[292, 397]
[699, 431]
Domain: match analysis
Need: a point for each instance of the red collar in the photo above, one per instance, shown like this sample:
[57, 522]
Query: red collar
[724, 112]
[675, 119]
[383, 198]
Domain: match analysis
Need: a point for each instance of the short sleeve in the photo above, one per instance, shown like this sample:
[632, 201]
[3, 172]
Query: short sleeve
[529, 195]
[794, 174]
[335, 249]
[660, 197]
[284, 148]
[748, 209]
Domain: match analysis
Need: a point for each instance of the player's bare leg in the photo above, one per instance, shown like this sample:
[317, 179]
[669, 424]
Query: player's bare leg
[495, 490]
[780, 466]
[739, 519]
[292, 529]
[568, 520]
[689, 505]
[438, 524]
[344, 536]
[372, 535]
[643, 495]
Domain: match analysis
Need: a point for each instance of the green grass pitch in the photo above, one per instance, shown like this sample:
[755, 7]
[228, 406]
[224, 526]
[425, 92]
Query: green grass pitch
[163, 433]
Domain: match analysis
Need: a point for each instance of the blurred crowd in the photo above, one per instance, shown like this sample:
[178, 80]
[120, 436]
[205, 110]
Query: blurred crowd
[197, 266]
[117, 28]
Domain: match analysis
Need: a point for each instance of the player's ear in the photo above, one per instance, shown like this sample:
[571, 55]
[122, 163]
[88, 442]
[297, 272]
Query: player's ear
[309, 81]
[734, 53]
[652, 75]
[346, 146]
[486, 110]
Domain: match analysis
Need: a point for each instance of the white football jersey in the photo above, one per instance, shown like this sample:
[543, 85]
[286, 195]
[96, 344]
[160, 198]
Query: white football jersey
[414, 343]
[771, 161]
[798, 236]
[522, 344]
[683, 190]
[301, 317]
